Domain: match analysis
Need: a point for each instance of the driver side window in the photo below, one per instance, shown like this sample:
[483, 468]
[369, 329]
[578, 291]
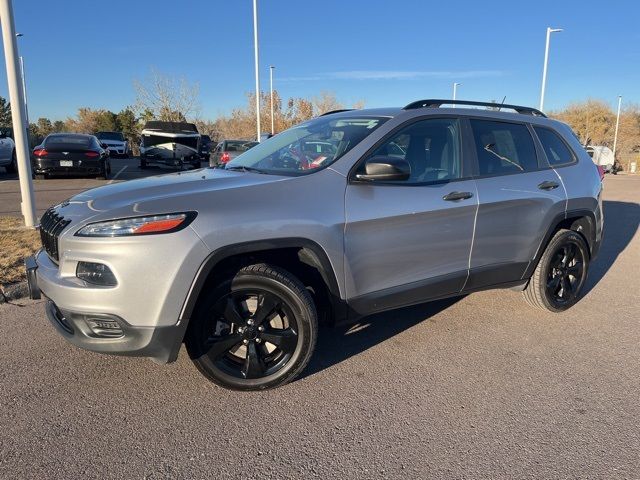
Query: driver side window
[431, 148]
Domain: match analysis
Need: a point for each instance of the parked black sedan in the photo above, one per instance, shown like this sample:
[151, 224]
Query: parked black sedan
[71, 154]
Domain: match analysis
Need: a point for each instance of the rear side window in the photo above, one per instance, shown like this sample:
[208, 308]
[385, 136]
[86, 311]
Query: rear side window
[558, 153]
[503, 147]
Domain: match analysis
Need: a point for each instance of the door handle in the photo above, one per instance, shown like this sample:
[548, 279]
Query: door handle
[548, 185]
[453, 196]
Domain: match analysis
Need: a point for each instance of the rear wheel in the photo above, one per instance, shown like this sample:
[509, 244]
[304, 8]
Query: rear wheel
[143, 164]
[254, 331]
[13, 166]
[558, 279]
[104, 174]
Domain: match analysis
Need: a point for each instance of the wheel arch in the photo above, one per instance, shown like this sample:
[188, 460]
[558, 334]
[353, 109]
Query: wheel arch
[308, 253]
[581, 221]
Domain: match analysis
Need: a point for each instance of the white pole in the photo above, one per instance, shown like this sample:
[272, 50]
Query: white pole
[17, 110]
[255, 47]
[271, 67]
[455, 89]
[546, 61]
[615, 136]
[24, 92]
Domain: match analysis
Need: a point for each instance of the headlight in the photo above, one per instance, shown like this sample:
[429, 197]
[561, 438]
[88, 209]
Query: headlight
[138, 225]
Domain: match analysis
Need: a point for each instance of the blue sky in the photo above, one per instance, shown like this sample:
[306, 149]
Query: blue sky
[386, 52]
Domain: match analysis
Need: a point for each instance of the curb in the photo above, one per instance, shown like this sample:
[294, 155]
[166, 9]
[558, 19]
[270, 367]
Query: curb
[14, 291]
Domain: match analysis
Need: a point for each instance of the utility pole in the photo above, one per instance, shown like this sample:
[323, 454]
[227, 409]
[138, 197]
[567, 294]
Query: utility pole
[615, 136]
[17, 110]
[271, 67]
[255, 48]
[546, 61]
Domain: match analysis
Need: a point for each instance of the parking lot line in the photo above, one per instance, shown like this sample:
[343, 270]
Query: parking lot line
[116, 175]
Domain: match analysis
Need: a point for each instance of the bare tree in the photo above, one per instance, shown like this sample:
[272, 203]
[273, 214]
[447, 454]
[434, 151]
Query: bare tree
[167, 98]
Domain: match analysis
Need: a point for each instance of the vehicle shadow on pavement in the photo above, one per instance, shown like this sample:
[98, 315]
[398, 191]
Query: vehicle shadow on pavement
[338, 344]
[621, 220]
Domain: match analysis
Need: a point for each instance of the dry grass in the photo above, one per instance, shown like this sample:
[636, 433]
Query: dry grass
[16, 243]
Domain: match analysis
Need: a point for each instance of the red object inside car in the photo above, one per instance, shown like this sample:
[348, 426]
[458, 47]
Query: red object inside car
[225, 157]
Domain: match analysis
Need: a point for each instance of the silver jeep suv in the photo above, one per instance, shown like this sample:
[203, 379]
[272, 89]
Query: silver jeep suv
[348, 214]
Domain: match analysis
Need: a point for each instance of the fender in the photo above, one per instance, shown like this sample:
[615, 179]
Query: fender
[557, 220]
[314, 254]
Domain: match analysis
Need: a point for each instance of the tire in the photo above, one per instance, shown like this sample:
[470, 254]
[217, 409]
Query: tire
[143, 165]
[13, 166]
[558, 280]
[104, 175]
[263, 345]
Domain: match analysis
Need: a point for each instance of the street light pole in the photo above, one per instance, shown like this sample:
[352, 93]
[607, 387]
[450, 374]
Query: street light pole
[546, 61]
[271, 67]
[615, 136]
[255, 48]
[24, 86]
[17, 110]
[455, 89]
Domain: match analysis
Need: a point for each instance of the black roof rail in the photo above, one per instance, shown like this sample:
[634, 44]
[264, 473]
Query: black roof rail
[337, 111]
[437, 103]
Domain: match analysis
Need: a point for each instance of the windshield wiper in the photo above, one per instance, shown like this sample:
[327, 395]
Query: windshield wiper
[244, 169]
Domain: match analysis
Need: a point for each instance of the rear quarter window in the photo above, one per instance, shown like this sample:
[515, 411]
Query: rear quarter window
[556, 150]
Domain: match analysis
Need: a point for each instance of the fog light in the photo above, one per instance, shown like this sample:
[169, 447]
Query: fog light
[104, 327]
[96, 273]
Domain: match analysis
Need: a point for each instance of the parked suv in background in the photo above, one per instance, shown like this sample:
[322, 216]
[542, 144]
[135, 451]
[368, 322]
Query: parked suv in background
[227, 150]
[117, 143]
[342, 216]
[8, 158]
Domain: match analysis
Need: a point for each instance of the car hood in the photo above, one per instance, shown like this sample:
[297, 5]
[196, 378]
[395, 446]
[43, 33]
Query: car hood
[137, 193]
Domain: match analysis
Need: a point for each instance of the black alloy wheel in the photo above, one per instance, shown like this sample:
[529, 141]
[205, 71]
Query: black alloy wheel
[566, 272]
[255, 331]
[559, 278]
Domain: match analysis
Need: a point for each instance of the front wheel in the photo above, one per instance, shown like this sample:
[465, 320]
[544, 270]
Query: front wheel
[559, 278]
[254, 331]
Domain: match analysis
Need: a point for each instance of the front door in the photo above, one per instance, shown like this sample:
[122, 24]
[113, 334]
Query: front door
[409, 241]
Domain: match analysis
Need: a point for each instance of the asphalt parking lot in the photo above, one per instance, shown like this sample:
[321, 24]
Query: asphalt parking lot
[475, 387]
[54, 190]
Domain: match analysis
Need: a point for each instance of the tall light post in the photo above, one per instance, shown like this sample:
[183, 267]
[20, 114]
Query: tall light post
[24, 86]
[455, 89]
[546, 61]
[17, 111]
[255, 49]
[271, 68]
[615, 136]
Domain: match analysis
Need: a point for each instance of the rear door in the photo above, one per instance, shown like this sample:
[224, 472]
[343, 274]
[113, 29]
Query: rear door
[519, 197]
[409, 241]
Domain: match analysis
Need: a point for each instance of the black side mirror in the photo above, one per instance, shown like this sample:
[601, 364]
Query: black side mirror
[385, 169]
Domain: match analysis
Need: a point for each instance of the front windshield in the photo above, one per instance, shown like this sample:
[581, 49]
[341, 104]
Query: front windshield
[307, 147]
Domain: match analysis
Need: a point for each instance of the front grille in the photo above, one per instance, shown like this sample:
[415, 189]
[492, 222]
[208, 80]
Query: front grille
[51, 224]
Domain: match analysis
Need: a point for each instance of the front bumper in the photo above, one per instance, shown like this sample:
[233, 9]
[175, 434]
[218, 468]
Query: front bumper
[157, 343]
[87, 330]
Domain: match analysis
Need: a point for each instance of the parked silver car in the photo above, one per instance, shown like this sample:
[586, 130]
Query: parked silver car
[342, 216]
